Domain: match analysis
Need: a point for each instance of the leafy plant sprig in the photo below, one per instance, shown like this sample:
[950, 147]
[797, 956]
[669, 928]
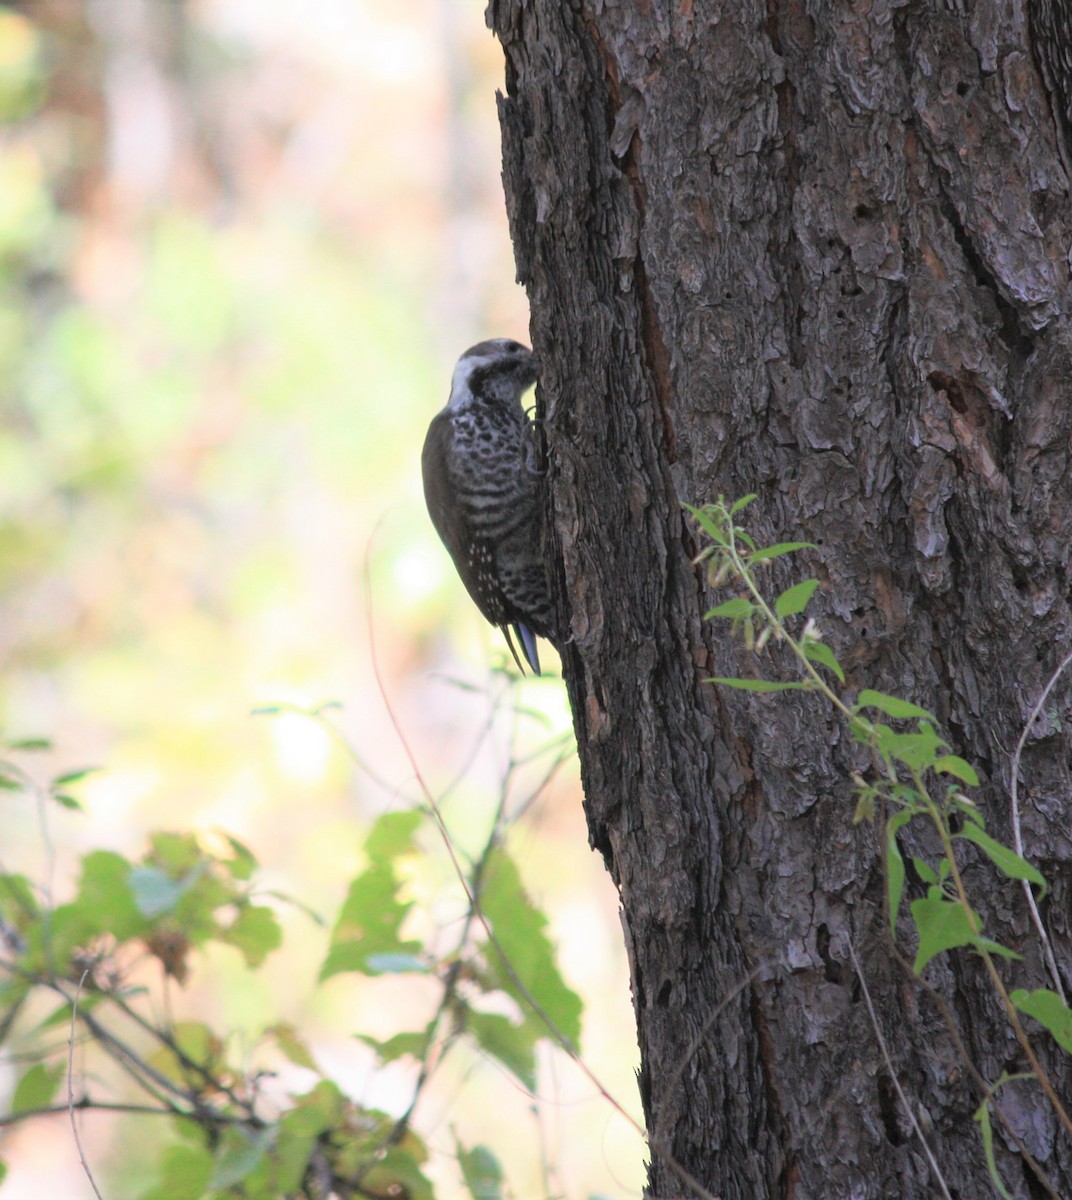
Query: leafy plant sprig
[915, 775]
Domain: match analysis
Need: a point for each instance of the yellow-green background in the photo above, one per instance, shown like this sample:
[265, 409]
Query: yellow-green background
[241, 244]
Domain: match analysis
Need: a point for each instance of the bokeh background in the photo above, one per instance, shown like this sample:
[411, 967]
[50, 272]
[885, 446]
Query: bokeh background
[242, 243]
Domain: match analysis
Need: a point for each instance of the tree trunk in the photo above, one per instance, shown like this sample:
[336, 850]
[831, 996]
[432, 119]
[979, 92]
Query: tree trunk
[818, 252]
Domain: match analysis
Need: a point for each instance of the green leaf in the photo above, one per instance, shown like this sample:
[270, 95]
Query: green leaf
[397, 1173]
[982, 1115]
[239, 1153]
[64, 800]
[918, 751]
[481, 1172]
[707, 521]
[185, 1172]
[1049, 1010]
[154, 891]
[412, 1043]
[821, 653]
[513, 1045]
[769, 552]
[288, 1040]
[9, 783]
[244, 863]
[69, 777]
[30, 744]
[37, 1088]
[942, 925]
[1007, 861]
[733, 610]
[758, 685]
[104, 895]
[950, 764]
[369, 924]
[925, 871]
[255, 932]
[892, 706]
[895, 868]
[519, 929]
[795, 599]
[396, 964]
[744, 502]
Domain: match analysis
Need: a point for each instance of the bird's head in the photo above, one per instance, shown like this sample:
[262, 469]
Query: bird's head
[498, 370]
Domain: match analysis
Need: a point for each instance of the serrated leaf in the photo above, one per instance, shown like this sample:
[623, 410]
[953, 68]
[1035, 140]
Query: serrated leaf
[255, 932]
[244, 862]
[37, 1087]
[481, 1172]
[821, 653]
[758, 685]
[795, 599]
[287, 1038]
[520, 937]
[731, 610]
[892, 706]
[513, 1045]
[951, 764]
[768, 552]
[369, 924]
[412, 1043]
[1049, 1010]
[1007, 861]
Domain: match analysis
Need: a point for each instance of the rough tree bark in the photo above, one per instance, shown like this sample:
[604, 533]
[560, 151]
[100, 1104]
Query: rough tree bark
[816, 251]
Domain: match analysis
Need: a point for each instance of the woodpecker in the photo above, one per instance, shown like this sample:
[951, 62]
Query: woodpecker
[482, 488]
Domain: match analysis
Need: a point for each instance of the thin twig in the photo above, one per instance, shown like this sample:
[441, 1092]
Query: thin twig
[70, 1089]
[1014, 807]
[893, 1073]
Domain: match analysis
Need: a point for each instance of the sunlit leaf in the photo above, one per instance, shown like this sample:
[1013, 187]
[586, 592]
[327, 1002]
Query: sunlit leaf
[255, 932]
[37, 1087]
[513, 1045]
[413, 1044]
[481, 1172]
[185, 1172]
[522, 960]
